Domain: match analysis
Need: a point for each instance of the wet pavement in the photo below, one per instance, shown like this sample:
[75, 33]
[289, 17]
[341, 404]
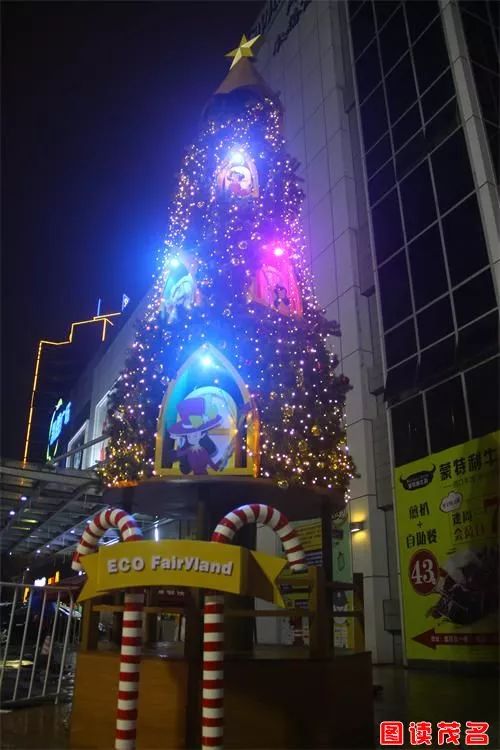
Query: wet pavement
[405, 696]
[29, 677]
[43, 727]
[418, 695]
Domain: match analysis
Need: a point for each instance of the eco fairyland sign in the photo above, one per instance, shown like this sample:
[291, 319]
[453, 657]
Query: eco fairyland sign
[205, 565]
[447, 516]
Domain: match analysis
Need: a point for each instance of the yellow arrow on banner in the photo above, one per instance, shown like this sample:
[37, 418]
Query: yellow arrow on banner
[207, 565]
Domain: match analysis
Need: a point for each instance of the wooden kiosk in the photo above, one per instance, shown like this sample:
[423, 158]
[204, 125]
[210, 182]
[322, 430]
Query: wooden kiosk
[275, 697]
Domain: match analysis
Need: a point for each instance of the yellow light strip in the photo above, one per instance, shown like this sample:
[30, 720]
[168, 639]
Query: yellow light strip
[96, 319]
[107, 315]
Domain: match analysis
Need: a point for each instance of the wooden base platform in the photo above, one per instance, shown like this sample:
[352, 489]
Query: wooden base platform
[270, 702]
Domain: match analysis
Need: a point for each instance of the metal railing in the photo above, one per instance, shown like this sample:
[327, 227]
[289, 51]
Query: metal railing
[39, 630]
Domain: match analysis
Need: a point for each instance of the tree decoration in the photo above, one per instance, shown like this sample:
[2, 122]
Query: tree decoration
[227, 234]
[208, 421]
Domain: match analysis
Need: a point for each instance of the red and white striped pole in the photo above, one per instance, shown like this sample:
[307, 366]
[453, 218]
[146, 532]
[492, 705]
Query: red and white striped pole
[213, 615]
[131, 644]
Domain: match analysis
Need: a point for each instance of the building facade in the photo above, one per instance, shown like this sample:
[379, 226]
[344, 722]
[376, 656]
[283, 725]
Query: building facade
[392, 110]
[389, 108]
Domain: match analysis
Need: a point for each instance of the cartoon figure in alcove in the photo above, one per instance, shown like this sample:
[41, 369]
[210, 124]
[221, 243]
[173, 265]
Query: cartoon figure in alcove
[196, 451]
[238, 177]
[281, 299]
[180, 286]
[239, 181]
[274, 285]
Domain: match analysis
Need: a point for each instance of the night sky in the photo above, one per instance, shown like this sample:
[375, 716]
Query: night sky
[98, 102]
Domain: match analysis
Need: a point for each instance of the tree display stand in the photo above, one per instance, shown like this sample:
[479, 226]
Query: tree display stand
[229, 412]
[275, 696]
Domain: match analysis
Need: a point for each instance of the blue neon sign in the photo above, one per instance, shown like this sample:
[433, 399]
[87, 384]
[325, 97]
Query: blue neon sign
[60, 417]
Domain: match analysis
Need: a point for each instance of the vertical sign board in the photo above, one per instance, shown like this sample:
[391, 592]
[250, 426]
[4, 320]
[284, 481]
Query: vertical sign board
[447, 520]
[310, 536]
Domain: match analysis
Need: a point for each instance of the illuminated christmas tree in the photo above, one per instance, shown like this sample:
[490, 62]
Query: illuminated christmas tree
[232, 369]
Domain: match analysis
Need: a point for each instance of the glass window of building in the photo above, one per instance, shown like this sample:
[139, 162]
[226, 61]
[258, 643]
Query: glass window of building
[483, 389]
[438, 94]
[428, 272]
[479, 340]
[474, 298]
[411, 154]
[386, 220]
[362, 28]
[452, 172]
[442, 125]
[464, 240]
[406, 127]
[417, 197]
[378, 155]
[400, 88]
[419, 15]
[401, 381]
[408, 431]
[395, 291]
[446, 415]
[381, 182]
[437, 362]
[384, 10]
[480, 38]
[435, 322]
[368, 70]
[400, 343]
[430, 55]
[77, 460]
[374, 118]
[393, 40]
[100, 420]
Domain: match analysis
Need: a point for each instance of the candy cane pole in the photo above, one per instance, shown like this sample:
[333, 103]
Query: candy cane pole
[130, 652]
[213, 619]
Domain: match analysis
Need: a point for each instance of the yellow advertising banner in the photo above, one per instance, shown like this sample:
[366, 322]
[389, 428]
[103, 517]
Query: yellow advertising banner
[447, 520]
[207, 565]
[309, 533]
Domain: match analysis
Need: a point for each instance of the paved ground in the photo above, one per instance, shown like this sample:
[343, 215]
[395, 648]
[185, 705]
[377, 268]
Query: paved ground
[406, 696]
[416, 695]
[39, 728]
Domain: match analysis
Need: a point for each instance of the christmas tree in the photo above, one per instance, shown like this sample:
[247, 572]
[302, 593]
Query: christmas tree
[232, 369]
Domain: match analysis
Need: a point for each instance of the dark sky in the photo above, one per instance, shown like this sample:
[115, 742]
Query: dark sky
[98, 102]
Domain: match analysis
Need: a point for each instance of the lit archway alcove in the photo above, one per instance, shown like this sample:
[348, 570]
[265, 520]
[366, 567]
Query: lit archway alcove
[208, 421]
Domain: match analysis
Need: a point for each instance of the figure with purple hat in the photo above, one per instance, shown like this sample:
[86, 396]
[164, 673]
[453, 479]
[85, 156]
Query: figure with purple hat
[197, 449]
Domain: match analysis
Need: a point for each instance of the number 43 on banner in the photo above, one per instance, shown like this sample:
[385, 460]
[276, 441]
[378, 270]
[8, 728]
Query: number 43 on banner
[424, 572]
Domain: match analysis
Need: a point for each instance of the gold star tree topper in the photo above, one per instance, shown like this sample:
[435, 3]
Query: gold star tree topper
[244, 49]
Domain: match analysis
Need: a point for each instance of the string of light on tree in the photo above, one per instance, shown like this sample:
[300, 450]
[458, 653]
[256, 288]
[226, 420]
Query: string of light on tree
[234, 232]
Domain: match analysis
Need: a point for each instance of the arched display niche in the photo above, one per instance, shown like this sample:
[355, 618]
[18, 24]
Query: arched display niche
[208, 421]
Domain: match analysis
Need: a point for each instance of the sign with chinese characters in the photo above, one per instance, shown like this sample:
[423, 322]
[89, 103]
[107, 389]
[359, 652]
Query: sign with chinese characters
[205, 565]
[60, 417]
[293, 10]
[309, 532]
[447, 519]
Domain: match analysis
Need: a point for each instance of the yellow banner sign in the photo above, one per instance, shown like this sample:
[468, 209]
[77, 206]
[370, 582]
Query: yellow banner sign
[447, 515]
[206, 565]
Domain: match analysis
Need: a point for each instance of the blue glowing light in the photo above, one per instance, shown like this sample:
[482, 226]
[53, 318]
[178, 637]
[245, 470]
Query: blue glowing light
[207, 360]
[236, 157]
[175, 263]
[60, 417]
